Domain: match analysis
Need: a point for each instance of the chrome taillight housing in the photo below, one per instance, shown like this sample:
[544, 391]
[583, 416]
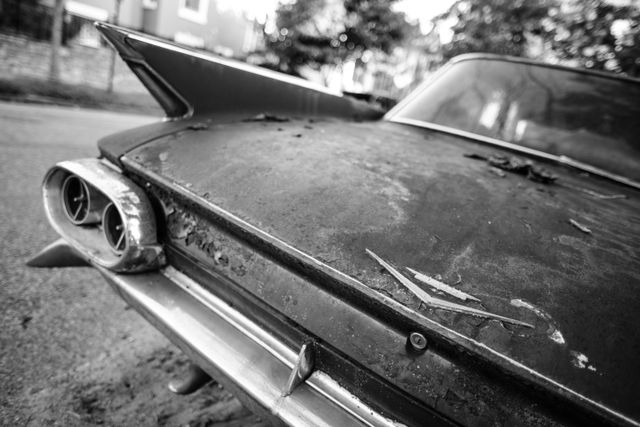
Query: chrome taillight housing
[114, 229]
[82, 203]
[103, 215]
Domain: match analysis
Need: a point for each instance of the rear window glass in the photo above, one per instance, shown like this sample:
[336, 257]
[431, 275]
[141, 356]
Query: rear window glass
[587, 117]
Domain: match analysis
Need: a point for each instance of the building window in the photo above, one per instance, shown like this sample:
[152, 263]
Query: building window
[188, 39]
[194, 10]
[86, 11]
[150, 4]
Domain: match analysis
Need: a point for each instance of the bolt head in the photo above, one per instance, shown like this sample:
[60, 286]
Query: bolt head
[417, 342]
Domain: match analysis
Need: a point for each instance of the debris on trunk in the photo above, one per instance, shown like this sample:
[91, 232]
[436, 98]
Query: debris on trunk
[459, 280]
[527, 226]
[199, 126]
[475, 156]
[25, 321]
[597, 195]
[516, 165]
[443, 287]
[262, 117]
[579, 226]
[440, 303]
[494, 170]
[610, 196]
[522, 167]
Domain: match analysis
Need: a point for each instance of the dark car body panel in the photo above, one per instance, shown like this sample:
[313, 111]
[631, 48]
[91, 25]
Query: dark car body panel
[113, 146]
[413, 197]
[187, 82]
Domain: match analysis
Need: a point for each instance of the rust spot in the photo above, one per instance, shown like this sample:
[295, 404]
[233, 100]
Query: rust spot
[454, 399]
[264, 117]
[186, 227]
[220, 258]
[240, 269]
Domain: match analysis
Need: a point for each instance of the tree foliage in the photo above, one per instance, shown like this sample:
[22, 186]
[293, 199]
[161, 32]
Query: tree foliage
[33, 19]
[577, 31]
[27, 17]
[494, 26]
[320, 32]
[584, 32]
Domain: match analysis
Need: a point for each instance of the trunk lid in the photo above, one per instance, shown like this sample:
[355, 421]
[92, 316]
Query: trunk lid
[331, 189]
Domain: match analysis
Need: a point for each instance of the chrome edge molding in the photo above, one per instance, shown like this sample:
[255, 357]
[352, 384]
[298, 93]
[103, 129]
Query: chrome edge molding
[142, 251]
[562, 160]
[237, 65]
[225, 342]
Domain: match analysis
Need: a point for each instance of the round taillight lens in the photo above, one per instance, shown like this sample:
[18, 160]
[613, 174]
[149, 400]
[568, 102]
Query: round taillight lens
[114, 228]
[75, 199]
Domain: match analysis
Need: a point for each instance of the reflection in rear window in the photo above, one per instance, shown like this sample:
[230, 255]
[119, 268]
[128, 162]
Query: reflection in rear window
[588, 117]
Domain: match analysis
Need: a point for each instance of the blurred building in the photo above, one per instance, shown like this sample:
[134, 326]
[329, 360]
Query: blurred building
[195, 23]
[387, 75]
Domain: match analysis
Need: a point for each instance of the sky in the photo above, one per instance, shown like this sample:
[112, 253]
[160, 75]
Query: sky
[422, 10]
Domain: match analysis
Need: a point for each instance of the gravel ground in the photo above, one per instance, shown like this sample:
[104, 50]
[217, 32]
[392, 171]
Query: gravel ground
[71, 352]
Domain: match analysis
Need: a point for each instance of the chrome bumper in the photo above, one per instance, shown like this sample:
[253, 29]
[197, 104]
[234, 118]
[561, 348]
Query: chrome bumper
[236, 351]
[270, 376]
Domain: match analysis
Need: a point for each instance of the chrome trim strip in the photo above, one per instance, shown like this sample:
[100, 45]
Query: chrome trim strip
[492, 57]
[99, 26]
[527, 61]
[171, 89]
[512, 366]
[417, 91]
[237, 65]
[233, 345]
[562, 160]
[318, 380]
[277, 349]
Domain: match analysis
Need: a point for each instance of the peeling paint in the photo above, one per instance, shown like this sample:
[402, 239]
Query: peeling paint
[135, 229]
[556, 336]
[553, 332]
[581, 361]
[193, 231]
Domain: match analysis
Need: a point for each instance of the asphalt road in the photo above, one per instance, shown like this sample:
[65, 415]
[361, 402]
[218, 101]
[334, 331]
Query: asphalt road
[71, 353]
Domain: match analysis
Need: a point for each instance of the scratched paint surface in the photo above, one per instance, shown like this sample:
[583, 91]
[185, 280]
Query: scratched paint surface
[332, 189]
[448, 387]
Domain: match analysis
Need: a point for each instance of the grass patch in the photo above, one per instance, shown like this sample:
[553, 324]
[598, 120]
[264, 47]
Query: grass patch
[24, 89]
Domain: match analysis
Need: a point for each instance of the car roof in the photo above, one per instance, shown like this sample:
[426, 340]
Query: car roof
[519, 60]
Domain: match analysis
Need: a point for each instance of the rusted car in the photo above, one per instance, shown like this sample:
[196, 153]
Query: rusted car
[471, 257]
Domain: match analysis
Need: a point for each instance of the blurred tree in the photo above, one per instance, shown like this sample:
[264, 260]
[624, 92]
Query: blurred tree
[585, 32]
[598, 34]
[34, 19]
[323, 32]
[56, 40]
[628, 51]
[493, 26]
[26, 17]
